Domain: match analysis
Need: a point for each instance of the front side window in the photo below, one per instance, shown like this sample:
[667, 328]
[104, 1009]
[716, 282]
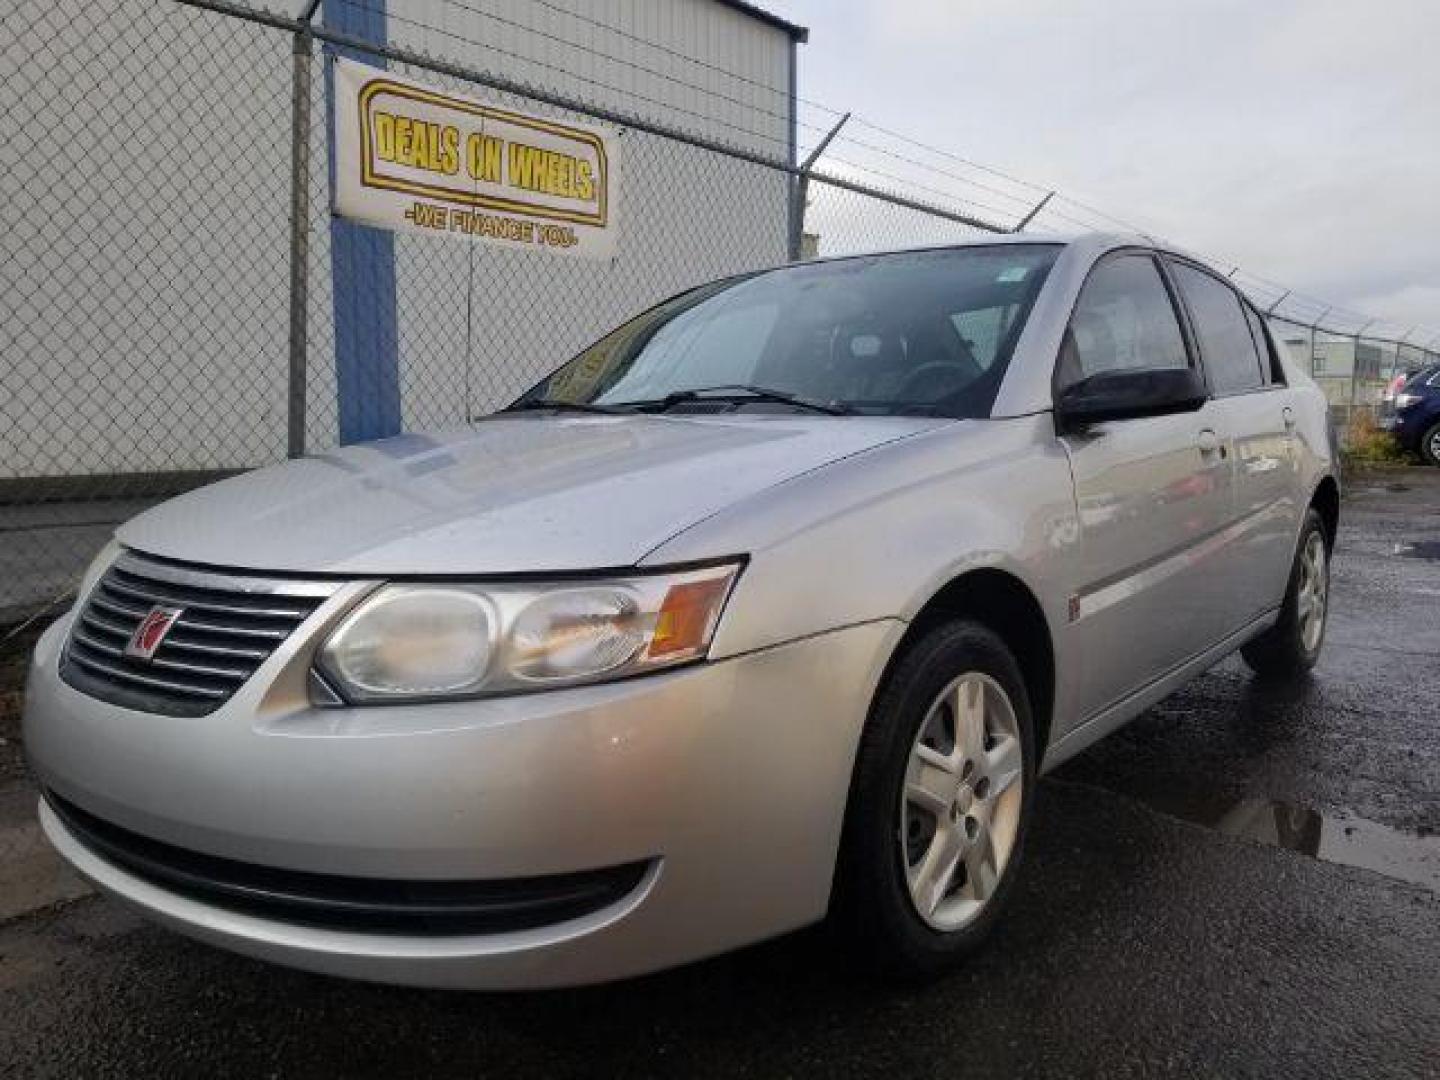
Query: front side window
[1123, 320]
[1226, 343]
[927, 332]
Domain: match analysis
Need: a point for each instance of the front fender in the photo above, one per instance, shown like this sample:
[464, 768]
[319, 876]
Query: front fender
[876, 536]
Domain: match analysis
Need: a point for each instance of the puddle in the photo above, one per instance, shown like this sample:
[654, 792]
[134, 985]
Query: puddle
[1419, 549]
[1336, 838]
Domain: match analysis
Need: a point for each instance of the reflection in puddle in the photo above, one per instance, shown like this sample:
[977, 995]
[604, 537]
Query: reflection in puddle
[1336, 838]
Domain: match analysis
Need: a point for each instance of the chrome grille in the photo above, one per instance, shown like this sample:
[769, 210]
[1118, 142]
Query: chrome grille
[228, 625]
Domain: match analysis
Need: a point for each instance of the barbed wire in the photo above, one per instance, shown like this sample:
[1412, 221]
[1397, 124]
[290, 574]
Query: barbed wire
[909, 182]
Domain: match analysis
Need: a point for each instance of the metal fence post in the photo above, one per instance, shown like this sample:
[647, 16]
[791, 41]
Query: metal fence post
[299, 233]
[1355, 369]
[1316, 325]
[1029, 217]
[1400, 346]
[800, 190]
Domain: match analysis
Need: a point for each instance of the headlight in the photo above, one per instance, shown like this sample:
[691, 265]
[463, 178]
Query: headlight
[413, 642]
[1404, 401]
[575, 633]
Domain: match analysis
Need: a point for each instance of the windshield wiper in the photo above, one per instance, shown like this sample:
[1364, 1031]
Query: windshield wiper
[543, 404]
[740, 392]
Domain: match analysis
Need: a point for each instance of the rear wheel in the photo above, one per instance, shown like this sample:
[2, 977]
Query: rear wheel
[939, 803]
[1430, 445]
[1292, 645]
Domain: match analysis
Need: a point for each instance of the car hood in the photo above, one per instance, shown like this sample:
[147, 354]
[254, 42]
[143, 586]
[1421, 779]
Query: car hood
[509, 494]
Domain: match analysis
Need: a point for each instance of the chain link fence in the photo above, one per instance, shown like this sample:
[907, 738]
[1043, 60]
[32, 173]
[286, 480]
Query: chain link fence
[177, 302]
[1352, 356]
[143, 269]
[163, 324]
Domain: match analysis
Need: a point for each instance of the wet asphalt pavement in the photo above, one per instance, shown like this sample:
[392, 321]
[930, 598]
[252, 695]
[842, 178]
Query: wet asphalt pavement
[1171, 919]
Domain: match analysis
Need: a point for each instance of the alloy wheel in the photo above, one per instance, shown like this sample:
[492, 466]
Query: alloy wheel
[1314, 592]
[960, 808]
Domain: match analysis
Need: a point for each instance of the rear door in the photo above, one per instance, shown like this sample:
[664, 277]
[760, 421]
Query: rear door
[1153, 493]
[1256, 416]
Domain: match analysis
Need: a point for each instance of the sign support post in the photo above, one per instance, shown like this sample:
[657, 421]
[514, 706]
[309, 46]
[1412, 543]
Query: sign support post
[299, 232]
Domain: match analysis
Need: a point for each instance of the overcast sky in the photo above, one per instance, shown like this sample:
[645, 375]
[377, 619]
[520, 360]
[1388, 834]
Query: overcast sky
[1299, 138]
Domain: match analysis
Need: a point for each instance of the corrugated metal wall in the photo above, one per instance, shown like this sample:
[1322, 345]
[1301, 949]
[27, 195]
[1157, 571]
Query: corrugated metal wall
[734, 87]
[144, 187]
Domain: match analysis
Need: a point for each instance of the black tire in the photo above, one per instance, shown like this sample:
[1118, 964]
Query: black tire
[1430, 445]
[872, 909]
[1281, 652]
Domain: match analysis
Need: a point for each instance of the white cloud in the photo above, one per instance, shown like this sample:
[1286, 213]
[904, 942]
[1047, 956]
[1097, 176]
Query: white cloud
[1296, 137]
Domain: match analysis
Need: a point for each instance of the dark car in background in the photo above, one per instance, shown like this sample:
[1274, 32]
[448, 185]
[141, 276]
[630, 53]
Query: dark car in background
[1414, 416]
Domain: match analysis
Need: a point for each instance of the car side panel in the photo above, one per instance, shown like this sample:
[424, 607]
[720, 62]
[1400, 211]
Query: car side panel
[892, 527]
[1313, 440]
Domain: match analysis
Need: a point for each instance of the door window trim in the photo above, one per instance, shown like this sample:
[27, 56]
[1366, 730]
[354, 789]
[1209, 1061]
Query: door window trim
[1274, 369]
[1192, 348]
[1268, 370]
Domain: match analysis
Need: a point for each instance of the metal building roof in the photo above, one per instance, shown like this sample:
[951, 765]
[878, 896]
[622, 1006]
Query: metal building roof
[799, 33]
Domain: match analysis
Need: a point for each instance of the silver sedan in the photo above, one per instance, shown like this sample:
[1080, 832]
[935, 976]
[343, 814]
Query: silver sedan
[768, 607]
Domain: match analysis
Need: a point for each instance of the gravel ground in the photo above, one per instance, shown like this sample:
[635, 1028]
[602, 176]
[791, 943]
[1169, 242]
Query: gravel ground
[14, 656]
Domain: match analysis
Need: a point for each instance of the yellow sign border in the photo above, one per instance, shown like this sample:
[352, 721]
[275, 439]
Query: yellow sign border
[370, 178]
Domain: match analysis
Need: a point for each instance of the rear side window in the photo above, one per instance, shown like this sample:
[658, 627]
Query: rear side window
[1226, 343]
[1123, 320]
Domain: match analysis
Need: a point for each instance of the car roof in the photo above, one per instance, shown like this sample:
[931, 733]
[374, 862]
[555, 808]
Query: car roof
[1091, 244]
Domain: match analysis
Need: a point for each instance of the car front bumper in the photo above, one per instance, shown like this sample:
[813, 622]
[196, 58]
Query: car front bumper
[728, 781]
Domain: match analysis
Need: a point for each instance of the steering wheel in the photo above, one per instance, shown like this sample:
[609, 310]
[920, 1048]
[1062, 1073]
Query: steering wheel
[947, 376]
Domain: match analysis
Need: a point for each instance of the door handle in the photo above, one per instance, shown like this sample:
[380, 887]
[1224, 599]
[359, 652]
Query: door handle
[1289, 415]
[1209, 443]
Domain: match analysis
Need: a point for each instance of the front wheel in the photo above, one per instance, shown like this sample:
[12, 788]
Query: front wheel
[939, 803]
[1291, 647]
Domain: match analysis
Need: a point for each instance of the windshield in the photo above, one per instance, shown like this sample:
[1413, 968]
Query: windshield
[927, 333]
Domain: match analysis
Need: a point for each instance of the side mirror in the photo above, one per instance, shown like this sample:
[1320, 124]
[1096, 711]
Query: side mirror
[1129, 394]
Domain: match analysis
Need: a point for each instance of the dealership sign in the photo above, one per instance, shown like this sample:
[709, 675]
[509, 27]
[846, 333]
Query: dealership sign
[409, 157]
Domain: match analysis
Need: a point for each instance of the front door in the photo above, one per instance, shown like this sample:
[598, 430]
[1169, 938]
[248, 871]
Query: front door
[1153, 494]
